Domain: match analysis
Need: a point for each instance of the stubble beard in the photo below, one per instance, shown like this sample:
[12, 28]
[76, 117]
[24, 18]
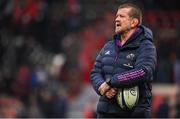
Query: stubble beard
[122, 31]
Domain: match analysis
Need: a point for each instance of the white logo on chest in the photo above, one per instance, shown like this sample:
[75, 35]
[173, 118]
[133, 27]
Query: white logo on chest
[107, 53]
[128, 65]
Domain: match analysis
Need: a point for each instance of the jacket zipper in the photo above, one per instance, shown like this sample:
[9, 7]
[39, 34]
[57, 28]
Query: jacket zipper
[115, 62]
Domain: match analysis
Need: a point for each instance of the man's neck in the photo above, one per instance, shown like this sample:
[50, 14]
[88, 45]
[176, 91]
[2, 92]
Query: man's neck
[126, 35]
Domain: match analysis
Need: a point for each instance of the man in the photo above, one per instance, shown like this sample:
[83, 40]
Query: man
[128, 60]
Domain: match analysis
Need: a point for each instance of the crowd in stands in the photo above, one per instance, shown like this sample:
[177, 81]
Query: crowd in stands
[48, 47]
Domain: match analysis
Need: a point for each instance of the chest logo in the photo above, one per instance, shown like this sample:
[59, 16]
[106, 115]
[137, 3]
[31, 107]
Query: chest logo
[128, 65]
[107, 53]
[130, 56]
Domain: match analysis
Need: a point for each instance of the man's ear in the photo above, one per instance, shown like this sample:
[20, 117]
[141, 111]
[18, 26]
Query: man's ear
[134, 22]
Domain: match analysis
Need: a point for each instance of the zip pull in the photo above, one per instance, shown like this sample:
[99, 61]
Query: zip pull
[115, 60]
[114, 64]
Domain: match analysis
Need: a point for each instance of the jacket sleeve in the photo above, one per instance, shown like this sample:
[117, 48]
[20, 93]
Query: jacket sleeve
[143, 69]
[96, 73]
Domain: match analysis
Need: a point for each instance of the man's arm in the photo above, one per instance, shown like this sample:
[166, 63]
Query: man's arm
[143, 69]
[97, 79]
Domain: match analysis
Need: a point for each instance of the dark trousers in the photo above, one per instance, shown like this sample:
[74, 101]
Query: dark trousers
[106, 115]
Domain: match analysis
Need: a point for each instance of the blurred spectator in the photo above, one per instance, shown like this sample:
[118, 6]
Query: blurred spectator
[163, 110]
[11, 107]
[176, 71]
[25, 11]
[89, 109]
[21, 86]
[52, 101]
[178, 104]
[33, 110]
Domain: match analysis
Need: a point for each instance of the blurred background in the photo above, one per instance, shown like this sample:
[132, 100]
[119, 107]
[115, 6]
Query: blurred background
[48, 47]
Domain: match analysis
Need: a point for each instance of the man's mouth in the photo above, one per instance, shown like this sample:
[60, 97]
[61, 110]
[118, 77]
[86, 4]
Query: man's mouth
[118, 24]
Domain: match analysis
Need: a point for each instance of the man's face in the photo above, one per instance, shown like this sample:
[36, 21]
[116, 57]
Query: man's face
[122, 21]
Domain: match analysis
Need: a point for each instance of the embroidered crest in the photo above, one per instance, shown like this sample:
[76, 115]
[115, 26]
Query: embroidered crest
[130, 56]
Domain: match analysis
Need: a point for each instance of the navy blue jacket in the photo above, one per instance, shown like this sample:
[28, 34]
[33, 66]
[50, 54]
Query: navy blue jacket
[132, 64]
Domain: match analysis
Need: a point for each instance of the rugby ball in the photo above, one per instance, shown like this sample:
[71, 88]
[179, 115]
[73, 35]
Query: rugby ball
[127, 98]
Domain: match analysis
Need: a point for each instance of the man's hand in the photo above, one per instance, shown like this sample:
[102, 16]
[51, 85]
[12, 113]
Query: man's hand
[104, 88]
[111, 93]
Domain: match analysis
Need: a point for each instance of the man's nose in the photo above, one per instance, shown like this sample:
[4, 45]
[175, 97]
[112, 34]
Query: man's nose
[117, 19]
